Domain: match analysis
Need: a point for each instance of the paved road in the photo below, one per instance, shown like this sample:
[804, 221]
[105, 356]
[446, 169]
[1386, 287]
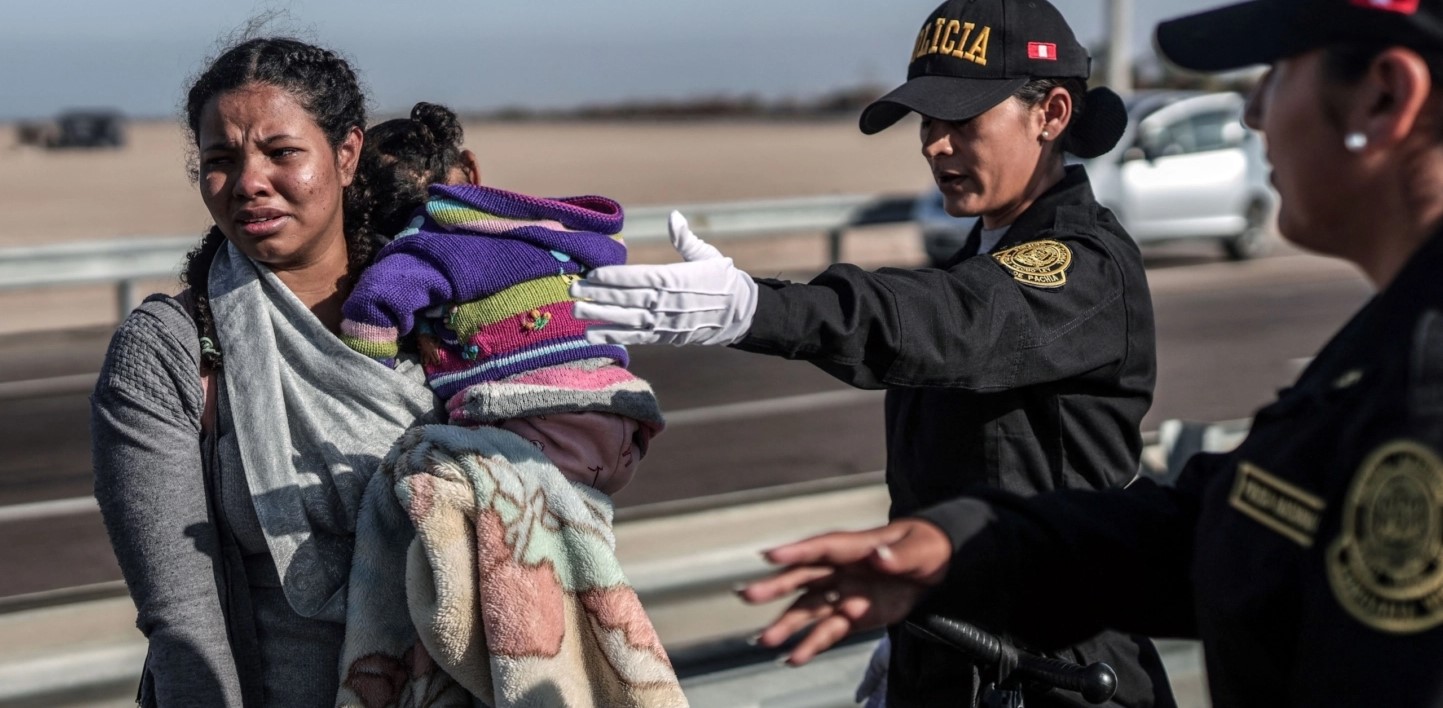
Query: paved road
[1229, 335]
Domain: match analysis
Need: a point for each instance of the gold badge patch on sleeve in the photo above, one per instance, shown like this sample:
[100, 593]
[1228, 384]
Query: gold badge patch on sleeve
[1386, 566]
[1041, 264]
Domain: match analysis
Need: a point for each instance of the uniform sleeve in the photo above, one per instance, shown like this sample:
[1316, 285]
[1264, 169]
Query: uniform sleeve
[1371, 605]
[1057, 568]
[1372, 600]
[145, 431]
[973, 326]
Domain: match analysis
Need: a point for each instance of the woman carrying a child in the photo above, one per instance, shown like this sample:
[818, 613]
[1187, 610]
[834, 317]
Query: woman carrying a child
[234, 431]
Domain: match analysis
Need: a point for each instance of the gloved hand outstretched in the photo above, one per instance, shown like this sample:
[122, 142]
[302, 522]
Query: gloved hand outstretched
[703, 300]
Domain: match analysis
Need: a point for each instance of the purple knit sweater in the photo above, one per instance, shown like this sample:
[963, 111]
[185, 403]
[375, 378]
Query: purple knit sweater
[469, 242]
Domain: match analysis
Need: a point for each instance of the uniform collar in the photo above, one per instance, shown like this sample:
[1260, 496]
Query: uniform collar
[1420, 271]
[1073, 189]
[1355, 348]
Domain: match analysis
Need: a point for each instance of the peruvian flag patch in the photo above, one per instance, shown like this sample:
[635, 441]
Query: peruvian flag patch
[1406, 7]
[1047, 51]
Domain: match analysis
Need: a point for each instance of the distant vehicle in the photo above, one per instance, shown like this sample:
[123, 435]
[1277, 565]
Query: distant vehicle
[88, 129]
[1186, 168]
[32, 133]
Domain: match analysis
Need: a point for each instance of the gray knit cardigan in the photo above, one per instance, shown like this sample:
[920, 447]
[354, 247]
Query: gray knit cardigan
[153, 480]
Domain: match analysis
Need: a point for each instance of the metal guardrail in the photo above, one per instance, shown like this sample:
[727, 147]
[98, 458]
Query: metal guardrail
[125, 262]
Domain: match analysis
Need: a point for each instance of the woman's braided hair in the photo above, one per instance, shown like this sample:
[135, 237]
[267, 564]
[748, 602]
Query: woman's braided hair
[324, 84]
[404, 155]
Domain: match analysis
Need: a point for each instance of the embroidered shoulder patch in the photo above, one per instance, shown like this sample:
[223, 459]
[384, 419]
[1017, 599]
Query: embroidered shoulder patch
[1386, 566]
[1276, 503]
[1041, 264]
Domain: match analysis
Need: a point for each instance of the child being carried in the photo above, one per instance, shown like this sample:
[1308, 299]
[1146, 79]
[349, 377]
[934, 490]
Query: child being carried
[478, 279]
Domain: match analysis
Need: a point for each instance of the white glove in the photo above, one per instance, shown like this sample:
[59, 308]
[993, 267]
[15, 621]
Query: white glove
[704, 300]
[873, 689]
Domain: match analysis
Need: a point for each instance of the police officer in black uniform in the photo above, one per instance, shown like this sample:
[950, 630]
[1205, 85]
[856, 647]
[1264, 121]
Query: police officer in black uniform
[1309, 560]
[1026, 364]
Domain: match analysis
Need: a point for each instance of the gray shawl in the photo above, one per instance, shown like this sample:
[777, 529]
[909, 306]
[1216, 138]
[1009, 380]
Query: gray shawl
[312, 419]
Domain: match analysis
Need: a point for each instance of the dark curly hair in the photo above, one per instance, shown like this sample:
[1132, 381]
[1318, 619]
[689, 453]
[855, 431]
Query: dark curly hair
[324, 84]
[402, 156]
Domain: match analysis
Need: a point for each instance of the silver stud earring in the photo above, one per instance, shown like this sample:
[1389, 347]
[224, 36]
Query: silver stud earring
[1355, 141]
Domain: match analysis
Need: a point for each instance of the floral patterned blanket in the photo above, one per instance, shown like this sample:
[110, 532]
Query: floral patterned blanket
[482, 577]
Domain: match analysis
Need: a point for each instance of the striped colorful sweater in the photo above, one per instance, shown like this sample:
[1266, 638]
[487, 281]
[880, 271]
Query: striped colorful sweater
[481, 277]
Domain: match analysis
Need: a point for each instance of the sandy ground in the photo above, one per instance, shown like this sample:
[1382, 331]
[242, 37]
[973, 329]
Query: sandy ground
[143, 189]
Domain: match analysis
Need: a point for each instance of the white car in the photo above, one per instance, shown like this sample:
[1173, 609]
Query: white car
[1186, 168]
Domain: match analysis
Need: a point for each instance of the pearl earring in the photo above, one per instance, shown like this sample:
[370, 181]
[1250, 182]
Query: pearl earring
[1046, 135]
[1355, 141]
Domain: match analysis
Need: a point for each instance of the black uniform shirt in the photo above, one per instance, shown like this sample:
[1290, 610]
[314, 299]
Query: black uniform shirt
[1019, 385]
[1310, 560]
[1026, 369]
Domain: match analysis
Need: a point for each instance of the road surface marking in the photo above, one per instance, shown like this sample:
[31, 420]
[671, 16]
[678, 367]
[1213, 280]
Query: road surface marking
[772, 406]
[47, 509]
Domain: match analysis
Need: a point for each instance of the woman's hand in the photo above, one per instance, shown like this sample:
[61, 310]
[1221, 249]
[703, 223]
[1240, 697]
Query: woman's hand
[851, 581]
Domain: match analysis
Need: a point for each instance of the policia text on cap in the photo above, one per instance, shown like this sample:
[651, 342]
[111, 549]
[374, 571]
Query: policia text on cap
[1310, 560]
[1024, 365]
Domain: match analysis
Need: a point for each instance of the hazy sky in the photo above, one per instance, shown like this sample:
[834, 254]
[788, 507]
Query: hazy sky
[479, 54]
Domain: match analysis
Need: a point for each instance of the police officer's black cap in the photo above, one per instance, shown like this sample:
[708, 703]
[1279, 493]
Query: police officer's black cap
[973, 54]
[1264, 31]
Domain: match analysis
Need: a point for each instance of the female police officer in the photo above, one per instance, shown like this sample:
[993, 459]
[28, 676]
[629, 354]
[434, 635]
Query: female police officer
[1026, 365]
[1310, 560]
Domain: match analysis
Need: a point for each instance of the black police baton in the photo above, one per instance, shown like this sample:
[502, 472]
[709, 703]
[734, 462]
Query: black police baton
[1096, 682]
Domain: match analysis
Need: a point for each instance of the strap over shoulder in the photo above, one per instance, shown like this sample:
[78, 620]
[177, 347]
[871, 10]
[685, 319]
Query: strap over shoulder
[178, 314]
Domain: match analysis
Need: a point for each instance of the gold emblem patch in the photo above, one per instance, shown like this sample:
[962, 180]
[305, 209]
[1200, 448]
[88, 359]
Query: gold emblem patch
[1042, 264]
[1386, 566]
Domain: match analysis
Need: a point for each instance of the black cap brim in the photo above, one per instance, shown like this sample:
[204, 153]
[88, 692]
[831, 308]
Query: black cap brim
[946, 98]
[1232, 37]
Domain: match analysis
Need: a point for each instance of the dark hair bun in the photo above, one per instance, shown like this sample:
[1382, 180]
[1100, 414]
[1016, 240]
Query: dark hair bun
[438, 124]
[1100, 125]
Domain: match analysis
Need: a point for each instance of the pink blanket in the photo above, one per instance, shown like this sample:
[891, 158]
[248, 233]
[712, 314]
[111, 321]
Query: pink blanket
[483, 575]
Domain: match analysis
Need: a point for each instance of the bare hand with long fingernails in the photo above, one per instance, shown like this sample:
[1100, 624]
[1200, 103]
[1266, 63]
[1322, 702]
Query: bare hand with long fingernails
[850, 581]
[702, 300]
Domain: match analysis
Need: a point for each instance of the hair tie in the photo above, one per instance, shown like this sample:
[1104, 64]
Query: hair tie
[208, 349]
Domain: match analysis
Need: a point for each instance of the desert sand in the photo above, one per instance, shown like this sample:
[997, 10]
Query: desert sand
[143, 190]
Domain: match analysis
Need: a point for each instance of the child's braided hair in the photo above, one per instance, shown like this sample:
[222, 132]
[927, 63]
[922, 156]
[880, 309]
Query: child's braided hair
[402, 156]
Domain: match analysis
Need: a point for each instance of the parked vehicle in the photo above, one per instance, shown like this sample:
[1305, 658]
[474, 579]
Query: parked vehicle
[1186, 168]
[33, 133]
[88, 129]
